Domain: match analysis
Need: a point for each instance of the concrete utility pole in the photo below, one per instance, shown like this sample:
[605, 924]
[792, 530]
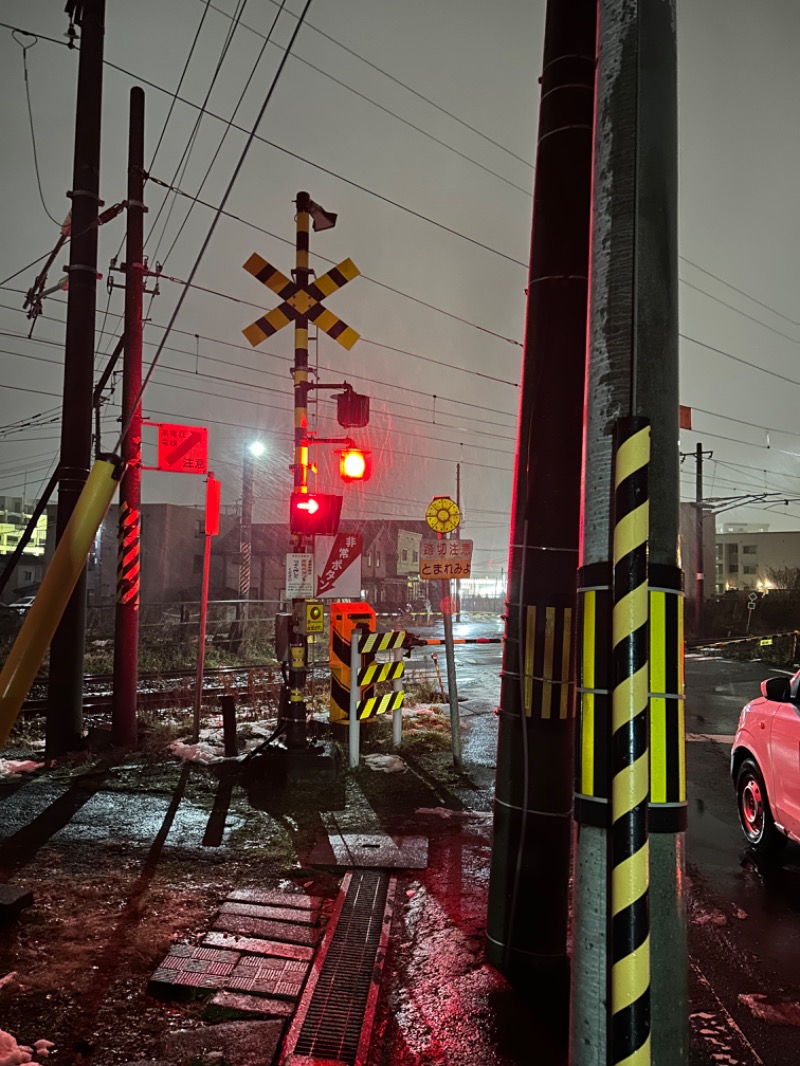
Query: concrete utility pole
[65, 689]
[632, 370]
[126, 615]
[529, 884]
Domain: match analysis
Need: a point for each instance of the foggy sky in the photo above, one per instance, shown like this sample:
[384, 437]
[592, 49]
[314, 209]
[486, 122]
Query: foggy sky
[739, 160]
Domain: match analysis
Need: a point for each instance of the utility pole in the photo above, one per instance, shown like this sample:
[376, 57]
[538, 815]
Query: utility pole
[632, 371]
[531, 849]
[126, 614]
[65, 688]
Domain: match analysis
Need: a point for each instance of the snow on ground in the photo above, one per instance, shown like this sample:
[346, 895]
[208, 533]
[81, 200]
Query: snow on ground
[13, 1054]
[10, 767]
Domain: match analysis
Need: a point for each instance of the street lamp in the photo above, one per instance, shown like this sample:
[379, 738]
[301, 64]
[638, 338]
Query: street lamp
[253, 451]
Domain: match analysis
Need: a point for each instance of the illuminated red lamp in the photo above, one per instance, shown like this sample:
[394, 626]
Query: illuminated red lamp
[314, 512]
[355, 464]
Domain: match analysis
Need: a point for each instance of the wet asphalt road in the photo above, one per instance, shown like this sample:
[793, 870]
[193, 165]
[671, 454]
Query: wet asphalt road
[744, 923]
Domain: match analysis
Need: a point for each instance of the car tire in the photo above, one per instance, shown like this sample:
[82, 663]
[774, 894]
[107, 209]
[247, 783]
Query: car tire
[755, 815]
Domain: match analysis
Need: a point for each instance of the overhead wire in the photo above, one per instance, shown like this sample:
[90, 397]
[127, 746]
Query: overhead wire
[25, 48]
[212, 227]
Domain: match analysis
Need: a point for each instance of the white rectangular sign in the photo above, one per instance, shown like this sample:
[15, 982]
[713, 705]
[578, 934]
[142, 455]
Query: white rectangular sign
[338, 566]
[443, 559]
[299, 575]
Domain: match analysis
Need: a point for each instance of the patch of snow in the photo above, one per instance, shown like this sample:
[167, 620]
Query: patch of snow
[781, 1013]
[445, 812]
[9, 767]
[12, 1053]
[202, 753]
[389, 764]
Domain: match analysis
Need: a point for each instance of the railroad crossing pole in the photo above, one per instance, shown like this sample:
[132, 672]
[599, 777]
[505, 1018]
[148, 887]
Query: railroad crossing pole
[126, 614]
[302, 302]
[65, 688]
[632, 369]
[296, 733]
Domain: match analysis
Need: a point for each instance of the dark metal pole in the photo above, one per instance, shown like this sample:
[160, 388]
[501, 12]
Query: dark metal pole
[699, 570]
[65, 690]
[126, 618]
[529, 883]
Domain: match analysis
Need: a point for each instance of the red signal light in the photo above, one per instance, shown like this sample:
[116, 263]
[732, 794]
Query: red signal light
[314, 512]
[355, 464]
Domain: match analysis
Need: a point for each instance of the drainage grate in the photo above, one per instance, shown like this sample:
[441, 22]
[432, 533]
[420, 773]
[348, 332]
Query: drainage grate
[334, 1018]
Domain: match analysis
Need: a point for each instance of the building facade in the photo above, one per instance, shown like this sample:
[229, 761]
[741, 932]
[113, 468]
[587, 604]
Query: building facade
[751, 558]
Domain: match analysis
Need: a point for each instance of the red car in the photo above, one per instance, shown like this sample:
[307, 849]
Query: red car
[765, 766]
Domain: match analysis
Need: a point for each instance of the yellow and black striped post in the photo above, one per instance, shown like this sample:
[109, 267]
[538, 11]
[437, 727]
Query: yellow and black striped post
[296, 724]
[594, 695]
[668, 808]
[629, 948]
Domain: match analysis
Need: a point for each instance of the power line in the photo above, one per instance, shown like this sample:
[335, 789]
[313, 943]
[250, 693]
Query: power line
[325, 259]
[402, 84]
[741, 292]
[374, 103]
[25, 48]
[212, 227]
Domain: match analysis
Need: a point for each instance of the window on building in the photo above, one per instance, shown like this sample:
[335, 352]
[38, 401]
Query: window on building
[733, 568]
[27, 576]
[405, 555]
[719, 551]
[749, 549]
[750, 569]
[377, 559]
[369, 558]
[732, 549]
[415, 557]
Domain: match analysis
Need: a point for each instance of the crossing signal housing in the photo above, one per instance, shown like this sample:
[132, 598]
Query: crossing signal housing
[314, 512]
[352, 409]
[355, 464]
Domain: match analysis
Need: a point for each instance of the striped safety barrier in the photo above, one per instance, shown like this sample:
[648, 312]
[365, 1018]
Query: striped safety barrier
[629, 949]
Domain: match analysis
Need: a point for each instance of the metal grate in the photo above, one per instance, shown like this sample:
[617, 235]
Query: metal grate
[334, 1020]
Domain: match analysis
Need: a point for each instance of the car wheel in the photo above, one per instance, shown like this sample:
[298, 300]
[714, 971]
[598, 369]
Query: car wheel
[755, 814]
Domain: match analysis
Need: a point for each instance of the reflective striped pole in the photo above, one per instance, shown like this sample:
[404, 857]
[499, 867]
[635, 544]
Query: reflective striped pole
[296, 733]
[629, 949]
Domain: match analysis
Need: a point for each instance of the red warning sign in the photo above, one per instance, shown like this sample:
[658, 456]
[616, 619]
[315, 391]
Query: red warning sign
[182, 449]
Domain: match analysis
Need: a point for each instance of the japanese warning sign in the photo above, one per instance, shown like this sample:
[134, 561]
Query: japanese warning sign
[299, 574]
[442, 559]
[338, 566]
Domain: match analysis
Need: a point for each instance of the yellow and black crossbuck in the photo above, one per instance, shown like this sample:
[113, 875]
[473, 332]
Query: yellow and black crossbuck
[301, 301]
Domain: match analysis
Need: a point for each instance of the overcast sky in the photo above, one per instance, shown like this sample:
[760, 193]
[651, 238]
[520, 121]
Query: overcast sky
[443, 378]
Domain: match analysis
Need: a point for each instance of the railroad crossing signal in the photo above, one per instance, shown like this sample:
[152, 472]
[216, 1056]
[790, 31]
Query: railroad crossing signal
[301, 301]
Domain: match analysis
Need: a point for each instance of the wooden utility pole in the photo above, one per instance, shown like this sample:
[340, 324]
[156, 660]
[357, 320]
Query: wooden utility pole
[65, 689]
